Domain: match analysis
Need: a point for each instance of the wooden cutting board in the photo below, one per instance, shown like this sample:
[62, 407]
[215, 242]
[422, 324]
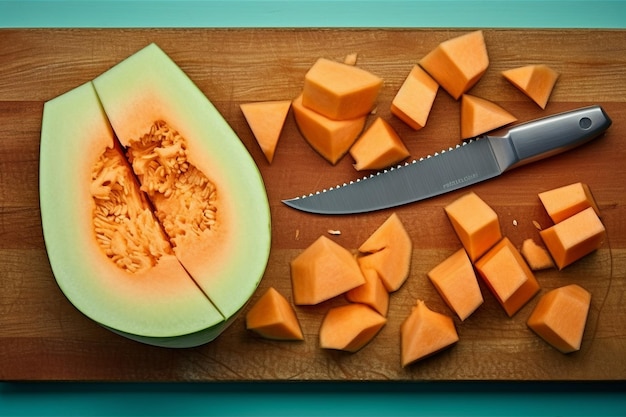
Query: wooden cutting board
[43, 337]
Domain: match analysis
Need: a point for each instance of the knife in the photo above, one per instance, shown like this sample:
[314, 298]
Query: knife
[466, 164]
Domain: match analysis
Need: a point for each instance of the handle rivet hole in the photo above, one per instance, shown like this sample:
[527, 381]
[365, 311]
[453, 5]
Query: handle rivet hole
[585, 123]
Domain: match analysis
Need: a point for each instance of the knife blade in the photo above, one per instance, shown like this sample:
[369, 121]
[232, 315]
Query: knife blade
[468, 163]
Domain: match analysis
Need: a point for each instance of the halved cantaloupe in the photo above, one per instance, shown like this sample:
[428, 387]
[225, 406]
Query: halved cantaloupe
[563, 202]
[458, 63]
[388, 251]
[324, 270]
[266, 120]
[475, 223]
[340, 91]
[378, 147]
[536, 81]
[273, 317]
[479, 116]
[330, 138]
[560, 317]
[574, 237]
[350, 327]
[208, 196]
[508, 276]
[455, 280]
[425, 332]
[414, 100]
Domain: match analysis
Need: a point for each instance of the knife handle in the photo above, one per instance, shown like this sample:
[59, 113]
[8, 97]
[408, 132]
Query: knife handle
[554, 134]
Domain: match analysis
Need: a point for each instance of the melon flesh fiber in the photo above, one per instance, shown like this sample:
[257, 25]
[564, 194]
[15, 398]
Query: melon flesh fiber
[189, 167]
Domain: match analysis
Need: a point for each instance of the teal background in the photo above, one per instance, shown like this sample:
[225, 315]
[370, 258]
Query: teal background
[313, 398]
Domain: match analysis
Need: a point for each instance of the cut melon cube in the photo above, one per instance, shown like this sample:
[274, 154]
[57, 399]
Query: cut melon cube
[560, 317]
[563, 202]
[475, 223]
[378, 147]
[322, 271]
[330, 138]
[373, 293]
[536, 256]
[273, 317]
[574, 237]
[479, 116]
[266, 120]
[414, 99]
[339, 91]
[458, 63]
[455, 280]
[508, 276]
[536, 81]
[388, 251]
[425, 332]
[350, 327]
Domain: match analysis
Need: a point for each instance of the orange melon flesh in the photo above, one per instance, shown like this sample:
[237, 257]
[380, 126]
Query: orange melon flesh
[455, 280]
[536, 81]
[508, 276]
[414, 100]
[574, 237]
[339, 91]
[205, 187]
[475, 223]
[322, 271]
[563, 202]
[536, 256]
[560, 317]
[273, 317]
[388, 251]
[350, 327]
[378, 147]
[144, 294]
[373, 293]
[425, 332]
[480, 116]
[458, 63]
[266, 120]
[330, 138]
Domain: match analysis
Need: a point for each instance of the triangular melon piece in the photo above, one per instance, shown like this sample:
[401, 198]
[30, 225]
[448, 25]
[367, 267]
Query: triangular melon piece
[266, 120]
[273, 317]
[479, 116]
[536, 81]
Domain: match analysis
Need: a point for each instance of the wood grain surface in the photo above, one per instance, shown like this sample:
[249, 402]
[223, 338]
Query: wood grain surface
[43, 337]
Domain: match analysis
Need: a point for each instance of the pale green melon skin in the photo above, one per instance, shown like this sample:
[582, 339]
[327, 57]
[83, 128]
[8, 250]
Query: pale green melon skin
[226, 288]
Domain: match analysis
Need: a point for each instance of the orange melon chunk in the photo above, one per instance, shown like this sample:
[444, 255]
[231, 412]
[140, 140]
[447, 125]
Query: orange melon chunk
[414, 99]
[373, 293]
[350, 327]
[322, 271]
[536, 81]
[536, 256]
[340, 91]
[378, 147]
[330, 138]
[456, 282]
[563, 202]
[388, 251]
[560, 317]
[574, 237]
[425, 332]
[479, 116]
[475, 223]
[508, 276]
[458, 63]
[273, 317]
[266, 120]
